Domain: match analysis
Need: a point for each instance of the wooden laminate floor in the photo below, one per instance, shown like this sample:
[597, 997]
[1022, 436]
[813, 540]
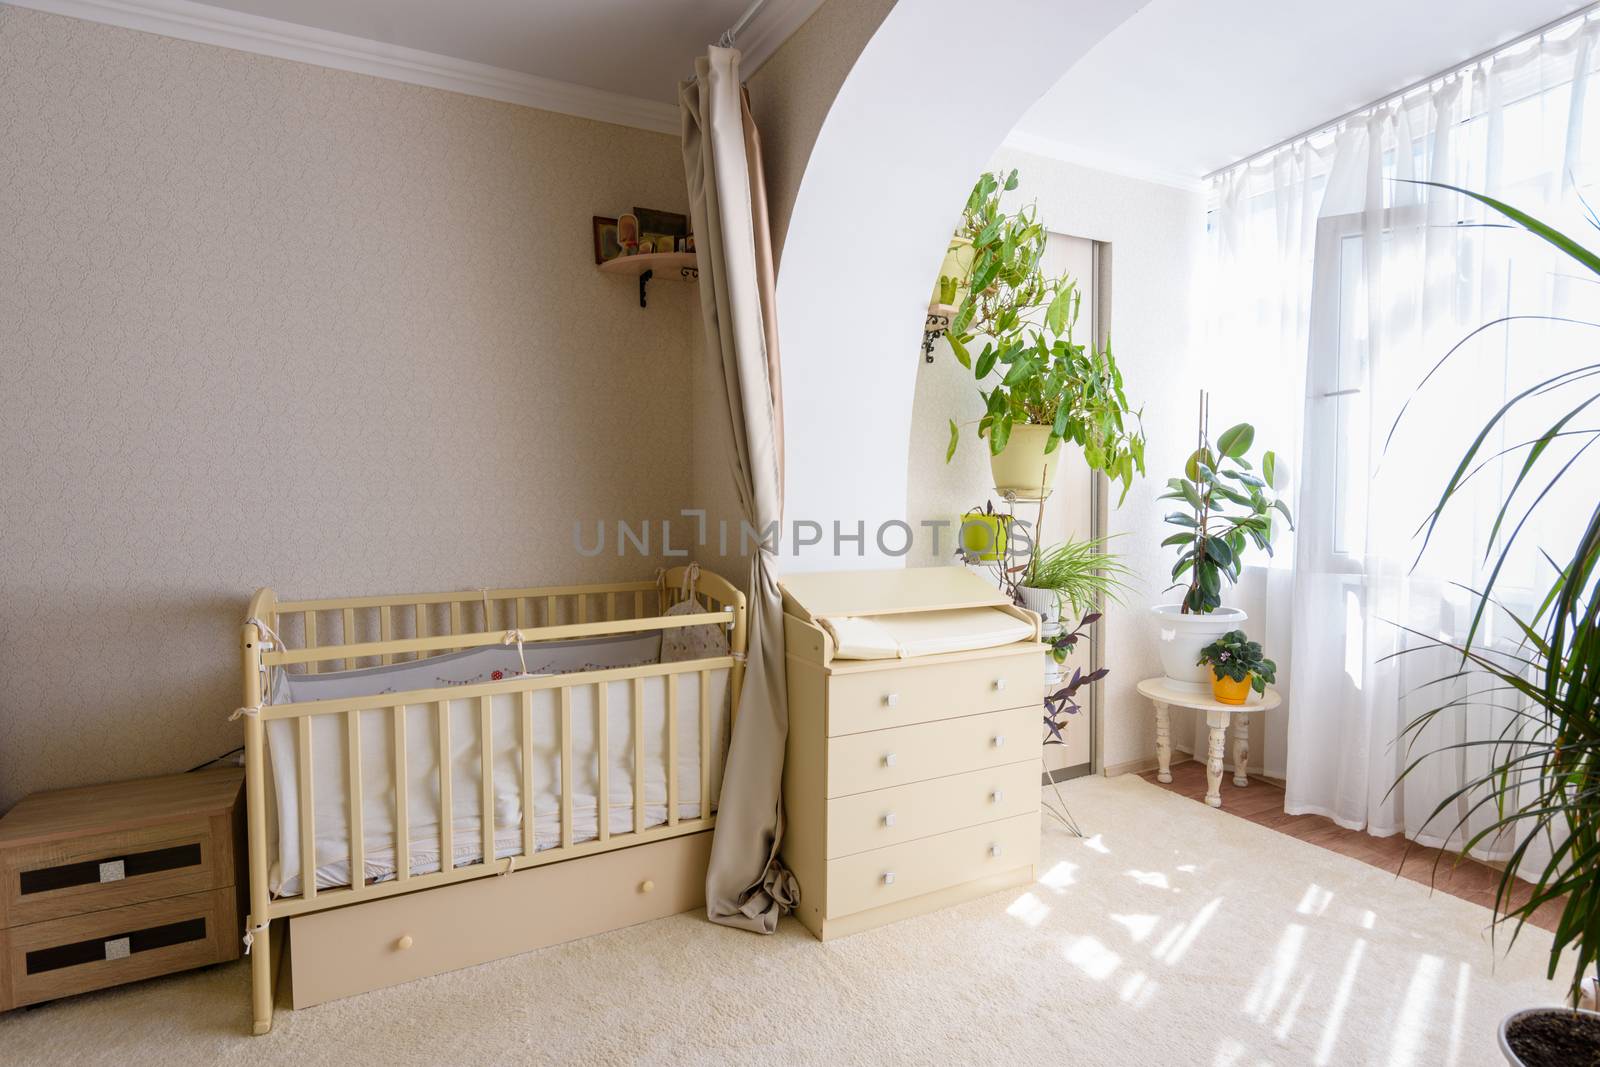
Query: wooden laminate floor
[1262, 802]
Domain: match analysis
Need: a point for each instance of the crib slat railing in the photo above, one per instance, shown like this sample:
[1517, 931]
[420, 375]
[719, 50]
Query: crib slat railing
[566, 767]
[310, 625]
[386, 631]
[529, 844]
[419, 625]
[672, 749]
[402, 800]
[308, 817]
[347, 636]
[486, 794]
[455, 620]
[358, 831]
[446, 798]
[638, 755]
[705, 745]
[602, 744]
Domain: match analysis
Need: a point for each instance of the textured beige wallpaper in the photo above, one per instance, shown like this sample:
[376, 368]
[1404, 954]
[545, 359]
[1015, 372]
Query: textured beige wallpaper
[267, 324]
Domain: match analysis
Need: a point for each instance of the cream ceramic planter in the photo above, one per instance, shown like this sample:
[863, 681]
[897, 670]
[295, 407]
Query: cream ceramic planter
[1505, 1046]
[1045, 603]
[957, 264]
[1180, 638]
[1022, 467]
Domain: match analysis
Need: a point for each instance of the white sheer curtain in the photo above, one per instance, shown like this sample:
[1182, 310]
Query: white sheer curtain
[1337, 285]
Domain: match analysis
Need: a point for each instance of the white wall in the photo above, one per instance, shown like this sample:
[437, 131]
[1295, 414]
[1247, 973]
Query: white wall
[1156, 233]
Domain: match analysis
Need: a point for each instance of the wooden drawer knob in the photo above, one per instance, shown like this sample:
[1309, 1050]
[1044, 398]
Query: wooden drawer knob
[888, 759]
[647, 886]
[888, 819]
[891, 700]
[404, 943]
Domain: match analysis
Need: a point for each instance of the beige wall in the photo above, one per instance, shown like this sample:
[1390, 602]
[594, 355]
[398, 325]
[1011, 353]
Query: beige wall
[791, 94]
[266, 323]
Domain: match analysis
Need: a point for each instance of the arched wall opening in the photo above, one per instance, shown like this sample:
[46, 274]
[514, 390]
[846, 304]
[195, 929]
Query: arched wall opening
[916, 118]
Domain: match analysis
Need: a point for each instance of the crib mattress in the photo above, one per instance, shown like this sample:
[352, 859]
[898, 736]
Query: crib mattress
[924, 633]
[330, 746]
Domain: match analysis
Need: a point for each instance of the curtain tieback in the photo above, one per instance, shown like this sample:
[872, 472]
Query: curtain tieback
[269, 631]
[514, 637]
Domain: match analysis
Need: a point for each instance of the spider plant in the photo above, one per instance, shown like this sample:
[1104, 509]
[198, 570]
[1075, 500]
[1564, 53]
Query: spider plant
[1543, 782]
[1079, 572]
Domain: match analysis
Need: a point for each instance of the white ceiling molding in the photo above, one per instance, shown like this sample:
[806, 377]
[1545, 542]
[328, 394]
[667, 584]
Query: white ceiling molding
[772, 26]
[323, 48]
[1051, 148]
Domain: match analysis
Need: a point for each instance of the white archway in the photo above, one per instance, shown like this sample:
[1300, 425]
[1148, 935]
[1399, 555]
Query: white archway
[920, 113]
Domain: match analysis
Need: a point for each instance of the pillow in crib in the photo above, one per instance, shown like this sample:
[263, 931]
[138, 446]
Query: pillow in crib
[692, 642]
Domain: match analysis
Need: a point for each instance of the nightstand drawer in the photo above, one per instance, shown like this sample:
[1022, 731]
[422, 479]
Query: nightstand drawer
[899, 872]
[885, 817]
[54, 879]
[59, 957]
[881, 699]
[884, 758]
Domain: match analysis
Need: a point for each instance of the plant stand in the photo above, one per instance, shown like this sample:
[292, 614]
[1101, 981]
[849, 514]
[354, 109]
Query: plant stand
[1219, 716]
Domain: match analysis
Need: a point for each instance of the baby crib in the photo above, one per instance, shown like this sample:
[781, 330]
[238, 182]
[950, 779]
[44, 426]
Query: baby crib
[395, 744]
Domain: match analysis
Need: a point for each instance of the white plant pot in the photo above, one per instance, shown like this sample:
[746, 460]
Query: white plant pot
[1022, 467]
[1045, 603]
[1505, 1046]
[1180, 638]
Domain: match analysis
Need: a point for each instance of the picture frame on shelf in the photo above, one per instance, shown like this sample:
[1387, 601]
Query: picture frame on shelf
[605, 240]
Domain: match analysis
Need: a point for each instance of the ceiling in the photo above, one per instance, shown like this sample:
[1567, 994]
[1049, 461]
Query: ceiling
[640, 48]
[1183, 88]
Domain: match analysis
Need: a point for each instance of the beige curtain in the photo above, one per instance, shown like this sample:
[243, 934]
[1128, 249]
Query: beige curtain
[746, 885]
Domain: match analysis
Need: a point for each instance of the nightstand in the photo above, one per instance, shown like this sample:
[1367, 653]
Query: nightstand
[113, 883]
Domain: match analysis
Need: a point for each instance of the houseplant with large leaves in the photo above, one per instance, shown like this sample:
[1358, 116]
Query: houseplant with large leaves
[1040, 386]
[1541, 778]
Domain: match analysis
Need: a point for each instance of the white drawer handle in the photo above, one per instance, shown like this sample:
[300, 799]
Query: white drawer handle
[888, 820]
[999, 684]
[999, 740]
[997, 796]
[404, 943]
[888, 759]
[888, 878]
[994, 850]
[647, 886]
[891, 700]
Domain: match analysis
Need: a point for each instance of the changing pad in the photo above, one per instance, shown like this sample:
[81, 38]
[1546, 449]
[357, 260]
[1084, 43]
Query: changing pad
[923, 633]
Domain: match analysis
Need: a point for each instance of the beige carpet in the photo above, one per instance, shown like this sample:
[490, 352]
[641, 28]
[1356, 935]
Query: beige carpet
[1175, 935]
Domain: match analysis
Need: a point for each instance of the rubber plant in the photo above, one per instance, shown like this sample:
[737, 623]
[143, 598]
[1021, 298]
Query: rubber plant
[1230, 505]
[1541, 776]
[1030, 369]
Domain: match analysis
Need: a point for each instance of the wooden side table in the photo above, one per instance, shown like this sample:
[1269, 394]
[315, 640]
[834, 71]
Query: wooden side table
[112, 883]
[1164, 695]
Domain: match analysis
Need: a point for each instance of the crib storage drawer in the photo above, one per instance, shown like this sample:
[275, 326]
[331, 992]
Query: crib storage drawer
[889, 875]
[60, 957]
[901, 695]
[379, 943]
[886, 817]
[884, 758]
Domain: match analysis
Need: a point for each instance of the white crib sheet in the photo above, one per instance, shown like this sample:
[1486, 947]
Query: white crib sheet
[330, 747]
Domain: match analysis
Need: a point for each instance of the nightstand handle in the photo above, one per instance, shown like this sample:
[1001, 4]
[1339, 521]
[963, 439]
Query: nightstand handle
[995, 850]
[999, 740]
[891, 700]
[888, 759]
[404, 943]
[997, 796]
[888, 819]
[999, 684]
[888, 878]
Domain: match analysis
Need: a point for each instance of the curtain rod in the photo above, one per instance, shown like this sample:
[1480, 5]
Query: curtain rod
[1553, 24]
[732, 33]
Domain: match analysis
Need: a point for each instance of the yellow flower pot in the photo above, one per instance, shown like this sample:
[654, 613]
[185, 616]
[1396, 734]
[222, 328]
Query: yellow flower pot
[1023, 467]
[1228, 691]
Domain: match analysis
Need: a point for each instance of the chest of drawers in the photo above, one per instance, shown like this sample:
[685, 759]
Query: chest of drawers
[109, 884]
[910, 784]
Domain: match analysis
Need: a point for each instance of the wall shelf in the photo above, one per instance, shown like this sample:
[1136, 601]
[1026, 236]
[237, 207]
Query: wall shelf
[683, 265]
